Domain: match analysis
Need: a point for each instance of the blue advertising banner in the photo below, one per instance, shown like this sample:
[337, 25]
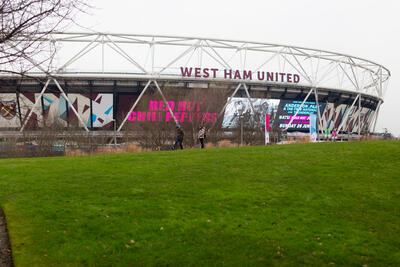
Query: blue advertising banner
[301, 123]
[313, 127]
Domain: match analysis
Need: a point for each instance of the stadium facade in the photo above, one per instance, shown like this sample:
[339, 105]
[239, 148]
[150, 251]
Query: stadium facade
[97, 81]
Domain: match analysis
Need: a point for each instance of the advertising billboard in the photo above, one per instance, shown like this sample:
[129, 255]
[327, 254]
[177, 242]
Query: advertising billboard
[239, 106]
[301, 123]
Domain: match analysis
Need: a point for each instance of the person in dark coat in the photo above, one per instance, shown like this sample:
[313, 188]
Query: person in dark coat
[202, 135]
[179, 137]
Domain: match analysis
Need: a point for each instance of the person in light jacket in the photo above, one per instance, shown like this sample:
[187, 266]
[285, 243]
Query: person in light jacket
[202, 135]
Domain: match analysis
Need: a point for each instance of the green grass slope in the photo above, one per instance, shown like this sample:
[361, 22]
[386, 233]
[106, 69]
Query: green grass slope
[291, 205]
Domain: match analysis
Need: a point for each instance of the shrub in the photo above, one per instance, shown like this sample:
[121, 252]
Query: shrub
[224, 143]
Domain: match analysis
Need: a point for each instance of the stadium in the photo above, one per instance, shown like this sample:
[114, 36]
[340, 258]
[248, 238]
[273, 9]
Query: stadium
[110, 83]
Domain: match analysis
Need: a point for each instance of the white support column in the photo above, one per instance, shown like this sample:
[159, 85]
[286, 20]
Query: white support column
[380, 83]
[371, 118]
[322, 119]
[369, 121]
[367, 117]
[165, 101]
[70, 104]
[305, 99]
[134, 105]
[376, 115]
[346, 114]
[356, 116]
[359, 116]
[248, 96]
[34, 105]
[319, 112]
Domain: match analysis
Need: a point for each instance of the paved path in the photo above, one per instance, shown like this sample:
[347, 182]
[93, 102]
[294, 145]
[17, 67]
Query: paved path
[5, 249]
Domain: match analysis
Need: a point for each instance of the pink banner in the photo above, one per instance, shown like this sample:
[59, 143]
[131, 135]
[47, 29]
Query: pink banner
[267, 116]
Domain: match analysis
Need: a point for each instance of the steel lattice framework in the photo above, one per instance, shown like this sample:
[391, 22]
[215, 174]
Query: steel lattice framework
[158, 57]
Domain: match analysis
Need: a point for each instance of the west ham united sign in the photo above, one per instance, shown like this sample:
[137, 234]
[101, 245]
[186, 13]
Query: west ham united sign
[240, 75]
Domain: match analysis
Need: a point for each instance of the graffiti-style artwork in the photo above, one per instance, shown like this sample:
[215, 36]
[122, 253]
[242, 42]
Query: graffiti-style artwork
[55, 110]
[81, 103]
[352, 122]
[102, 110]
[332, 116]
[27, 101]
[335, 114]
[8, 111]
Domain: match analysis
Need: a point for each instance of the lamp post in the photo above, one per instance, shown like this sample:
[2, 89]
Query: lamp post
[240, 109]
[348, 127]
[115, 133]
[241, 129]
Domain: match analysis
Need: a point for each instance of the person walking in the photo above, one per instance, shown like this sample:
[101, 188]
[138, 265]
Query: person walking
[333, 134]
[202, 135]
[179, 137]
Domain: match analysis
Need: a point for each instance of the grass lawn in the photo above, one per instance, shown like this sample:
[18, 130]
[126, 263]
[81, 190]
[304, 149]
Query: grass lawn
[304, 204]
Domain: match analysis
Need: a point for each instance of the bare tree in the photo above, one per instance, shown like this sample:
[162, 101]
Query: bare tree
[25, 24]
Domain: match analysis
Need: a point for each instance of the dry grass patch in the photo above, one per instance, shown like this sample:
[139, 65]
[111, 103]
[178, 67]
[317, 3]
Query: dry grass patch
[209, 145]
[224, 143]
[75, 152]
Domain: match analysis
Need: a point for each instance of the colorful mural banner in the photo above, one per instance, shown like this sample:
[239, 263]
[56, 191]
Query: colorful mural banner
[313, 127]
[53, 109]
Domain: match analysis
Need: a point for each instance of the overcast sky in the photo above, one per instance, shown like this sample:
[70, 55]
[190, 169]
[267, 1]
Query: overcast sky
[364, 28]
